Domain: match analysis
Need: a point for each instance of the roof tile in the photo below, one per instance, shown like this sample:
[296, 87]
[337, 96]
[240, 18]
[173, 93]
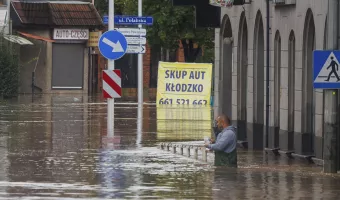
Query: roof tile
[59, 14]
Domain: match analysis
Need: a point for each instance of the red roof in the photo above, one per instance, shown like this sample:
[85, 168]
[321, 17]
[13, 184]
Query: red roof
[58, 14]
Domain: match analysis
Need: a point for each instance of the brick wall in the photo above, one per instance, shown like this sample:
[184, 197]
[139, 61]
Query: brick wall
[180, 53]
[146, 66]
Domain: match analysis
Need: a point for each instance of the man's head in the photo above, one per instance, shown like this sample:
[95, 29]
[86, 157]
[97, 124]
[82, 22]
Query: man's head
[223, 121]
[332, 58]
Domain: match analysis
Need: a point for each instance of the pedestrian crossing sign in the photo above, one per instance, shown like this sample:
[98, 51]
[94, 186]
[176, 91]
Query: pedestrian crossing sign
[326, 67]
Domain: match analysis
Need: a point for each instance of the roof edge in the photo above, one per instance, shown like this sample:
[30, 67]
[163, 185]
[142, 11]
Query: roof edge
[54, 2]
[68, 2]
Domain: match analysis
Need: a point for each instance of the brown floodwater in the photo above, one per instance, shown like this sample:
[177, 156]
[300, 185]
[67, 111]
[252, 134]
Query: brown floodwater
[56, 148]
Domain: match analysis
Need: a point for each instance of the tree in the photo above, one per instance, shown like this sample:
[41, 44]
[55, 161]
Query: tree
[9, 69]
[172, 24]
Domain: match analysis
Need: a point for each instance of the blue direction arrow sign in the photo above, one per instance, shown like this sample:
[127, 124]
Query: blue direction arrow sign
[112, 45]
[130, 20]
[326, 68]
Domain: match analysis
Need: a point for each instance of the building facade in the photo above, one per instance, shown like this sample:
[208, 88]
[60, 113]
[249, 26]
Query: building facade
[296, 108]
[58, 62]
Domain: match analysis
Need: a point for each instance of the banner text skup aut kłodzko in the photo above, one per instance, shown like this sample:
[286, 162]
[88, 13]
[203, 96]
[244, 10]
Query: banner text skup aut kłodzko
[184, 83]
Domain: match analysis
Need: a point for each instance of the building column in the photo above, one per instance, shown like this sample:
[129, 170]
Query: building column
[234, 86]
[283, 133]
[250, 98]
[217, 83]
[298, 102]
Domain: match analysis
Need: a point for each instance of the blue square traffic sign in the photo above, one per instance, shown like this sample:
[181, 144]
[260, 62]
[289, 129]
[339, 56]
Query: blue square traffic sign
[326, 69]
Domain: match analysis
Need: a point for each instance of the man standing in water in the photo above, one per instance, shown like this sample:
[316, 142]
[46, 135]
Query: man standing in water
[225, 145]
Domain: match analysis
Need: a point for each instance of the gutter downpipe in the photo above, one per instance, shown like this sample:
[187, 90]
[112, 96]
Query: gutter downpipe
[267, 75]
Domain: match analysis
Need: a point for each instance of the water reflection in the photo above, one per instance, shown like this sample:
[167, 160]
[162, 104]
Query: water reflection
[113, 179]
[139, 125]
[180, 123]
[57, 148]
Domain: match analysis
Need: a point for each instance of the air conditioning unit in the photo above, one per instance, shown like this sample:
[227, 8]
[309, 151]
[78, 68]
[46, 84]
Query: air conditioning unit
[284, 2]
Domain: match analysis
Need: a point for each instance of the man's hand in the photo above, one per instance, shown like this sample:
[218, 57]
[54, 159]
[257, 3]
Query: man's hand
[212, 141]
[206, 144]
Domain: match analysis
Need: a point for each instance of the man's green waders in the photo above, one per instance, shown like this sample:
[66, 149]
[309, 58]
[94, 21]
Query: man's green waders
[226, 159]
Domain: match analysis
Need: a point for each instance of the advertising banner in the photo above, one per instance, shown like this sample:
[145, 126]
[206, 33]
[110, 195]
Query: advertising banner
[183, 101]
[184, 83]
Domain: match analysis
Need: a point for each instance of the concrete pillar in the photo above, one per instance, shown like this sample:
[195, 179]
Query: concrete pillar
[204, 154]
[187, 149]
[196, 153]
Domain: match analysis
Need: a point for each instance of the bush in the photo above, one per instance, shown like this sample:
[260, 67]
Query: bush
[207, 57]
[9, 69]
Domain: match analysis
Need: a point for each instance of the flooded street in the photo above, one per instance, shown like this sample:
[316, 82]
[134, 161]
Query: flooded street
[55, 148]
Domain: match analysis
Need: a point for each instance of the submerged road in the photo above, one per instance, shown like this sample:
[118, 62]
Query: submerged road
[54, 148]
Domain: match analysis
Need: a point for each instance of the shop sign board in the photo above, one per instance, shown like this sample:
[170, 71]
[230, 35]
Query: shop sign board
[70, 34]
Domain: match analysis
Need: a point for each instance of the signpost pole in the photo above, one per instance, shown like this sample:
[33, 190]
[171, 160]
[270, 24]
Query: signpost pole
[111, 66]
[140, 62]
[330, 156]
[140, 82]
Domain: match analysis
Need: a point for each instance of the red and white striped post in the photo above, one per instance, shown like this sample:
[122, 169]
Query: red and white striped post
[112, 84]
[112, 88]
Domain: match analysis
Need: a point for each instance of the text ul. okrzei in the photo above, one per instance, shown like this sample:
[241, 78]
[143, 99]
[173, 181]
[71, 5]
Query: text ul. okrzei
[184, 87]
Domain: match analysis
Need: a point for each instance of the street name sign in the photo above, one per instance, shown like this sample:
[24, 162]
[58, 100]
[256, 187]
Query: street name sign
[132, 31]
[133, 20]
[136, 49]
[326, 69]
[129, 20]
[112, 45]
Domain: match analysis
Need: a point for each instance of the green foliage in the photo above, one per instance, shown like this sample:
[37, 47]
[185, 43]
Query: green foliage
[171, 23]
[207, 56]
[9, 70]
